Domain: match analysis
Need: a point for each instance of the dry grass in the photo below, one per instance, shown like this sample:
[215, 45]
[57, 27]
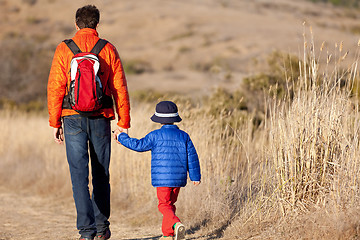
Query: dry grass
[312, 152]
[315, 137]
[293, 177]
[32, 162]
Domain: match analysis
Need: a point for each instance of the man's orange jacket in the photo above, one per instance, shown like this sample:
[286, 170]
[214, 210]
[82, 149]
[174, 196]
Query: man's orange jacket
[112, 77]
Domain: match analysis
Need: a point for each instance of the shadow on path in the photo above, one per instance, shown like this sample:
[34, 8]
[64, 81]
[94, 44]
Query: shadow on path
[144, 238]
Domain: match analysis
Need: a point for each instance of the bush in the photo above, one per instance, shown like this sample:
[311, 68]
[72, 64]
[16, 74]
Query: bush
[279, 81]
[182, 35]
[137, 66]
[214, 66]
[146, 96]
[24, 69]
[29, 2]
[343, 3]
[225, 103]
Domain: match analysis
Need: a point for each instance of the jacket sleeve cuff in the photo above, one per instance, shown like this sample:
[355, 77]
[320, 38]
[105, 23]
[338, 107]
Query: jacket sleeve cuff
[56, 124]
[123, 125]
[118, 136]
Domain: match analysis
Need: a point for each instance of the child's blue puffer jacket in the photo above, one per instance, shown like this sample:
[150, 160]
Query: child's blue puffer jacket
[172, 155]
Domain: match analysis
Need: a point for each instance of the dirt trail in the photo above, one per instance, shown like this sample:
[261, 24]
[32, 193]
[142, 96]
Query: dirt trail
[30, 217]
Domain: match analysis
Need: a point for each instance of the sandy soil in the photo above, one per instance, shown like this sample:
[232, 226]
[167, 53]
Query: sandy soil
[32, 217]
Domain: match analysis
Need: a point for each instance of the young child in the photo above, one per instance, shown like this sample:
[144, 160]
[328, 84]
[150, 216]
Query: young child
[173, 155]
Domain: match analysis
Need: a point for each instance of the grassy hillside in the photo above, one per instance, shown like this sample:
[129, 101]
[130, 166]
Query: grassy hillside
[188, 47]
[271, 108]
[292, 175]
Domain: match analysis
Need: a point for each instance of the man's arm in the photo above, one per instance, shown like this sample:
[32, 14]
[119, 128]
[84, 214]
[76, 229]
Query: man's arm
[119, 90]
[56, 87]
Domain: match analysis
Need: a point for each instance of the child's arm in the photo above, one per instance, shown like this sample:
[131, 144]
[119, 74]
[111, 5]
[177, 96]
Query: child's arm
[139, 145]
[193, 163]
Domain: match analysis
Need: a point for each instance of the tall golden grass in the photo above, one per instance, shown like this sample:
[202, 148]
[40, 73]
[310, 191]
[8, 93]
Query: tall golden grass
[310, 156]
[294, 176]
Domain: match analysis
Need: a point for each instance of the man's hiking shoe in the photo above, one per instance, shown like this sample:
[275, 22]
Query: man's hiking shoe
[179, 231]
[103, 236]
[85, 238]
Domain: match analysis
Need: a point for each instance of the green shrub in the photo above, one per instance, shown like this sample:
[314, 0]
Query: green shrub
[25, 68]
[278, 81]
[33, 20]
[223, 102]
[182, 35]
[226, 108]
[148, 96]
[31, 106]
[355, 29]
[184, 49]
[215, 65]
[342, 3]
[29, 2]
[137, 66]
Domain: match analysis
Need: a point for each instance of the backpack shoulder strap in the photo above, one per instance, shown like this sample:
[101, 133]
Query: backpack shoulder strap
[99, 46]
[72, 45]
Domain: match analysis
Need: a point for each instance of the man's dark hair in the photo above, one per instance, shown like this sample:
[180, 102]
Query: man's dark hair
[87, 17]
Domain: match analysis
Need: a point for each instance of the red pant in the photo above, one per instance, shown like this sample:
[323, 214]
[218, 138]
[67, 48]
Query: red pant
[167, 197]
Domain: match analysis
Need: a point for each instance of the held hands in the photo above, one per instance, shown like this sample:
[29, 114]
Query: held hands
[117, 132]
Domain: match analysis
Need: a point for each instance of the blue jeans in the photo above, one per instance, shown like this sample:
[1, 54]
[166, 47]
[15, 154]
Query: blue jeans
[84, 135]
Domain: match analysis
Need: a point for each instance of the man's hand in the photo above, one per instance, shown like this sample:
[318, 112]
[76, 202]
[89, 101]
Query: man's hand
[58, 135]
[196, 183]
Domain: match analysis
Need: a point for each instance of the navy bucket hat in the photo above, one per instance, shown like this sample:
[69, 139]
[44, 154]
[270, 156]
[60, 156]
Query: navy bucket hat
[166, 112]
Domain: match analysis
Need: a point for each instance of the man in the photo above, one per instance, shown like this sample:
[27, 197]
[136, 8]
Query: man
[88, 134]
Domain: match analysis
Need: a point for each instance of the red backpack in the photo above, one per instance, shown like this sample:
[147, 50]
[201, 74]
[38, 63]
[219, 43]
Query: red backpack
[85, 93]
